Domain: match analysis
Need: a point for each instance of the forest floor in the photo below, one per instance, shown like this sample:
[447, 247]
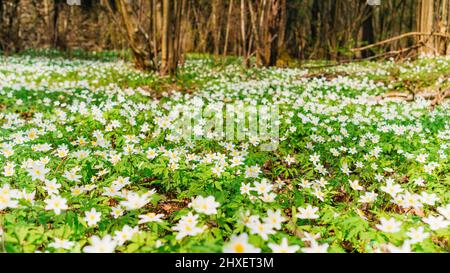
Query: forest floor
[92, 160]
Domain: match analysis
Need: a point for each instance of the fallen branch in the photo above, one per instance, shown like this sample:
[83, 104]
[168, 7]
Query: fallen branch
[326, 75]
[395, 52]
[437, 97]
[378, 56]
[393, 39]
[333, 64]
[440, 97]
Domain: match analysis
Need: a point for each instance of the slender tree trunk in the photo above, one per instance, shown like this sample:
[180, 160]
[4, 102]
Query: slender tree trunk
[443, 27]
[425, 24]
[275, 29]
[227, 31]
[266, 25]
[256, 30]
[243, 34]
[154, 29]
[216, 12]
[448, 26]
[2, 42]
[367, 32]
[166, 7]
[131, 30]
[56, 10]
[282, 29]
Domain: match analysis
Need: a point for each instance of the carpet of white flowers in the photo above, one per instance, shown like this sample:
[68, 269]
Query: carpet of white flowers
[88, 163]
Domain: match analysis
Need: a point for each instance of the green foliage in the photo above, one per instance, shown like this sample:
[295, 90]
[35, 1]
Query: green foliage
[106, 115]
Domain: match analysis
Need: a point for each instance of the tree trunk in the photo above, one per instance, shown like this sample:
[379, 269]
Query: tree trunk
[443, 44]
[425, 24]
[276, 27]
[367, 31]
[141, 55]
[243, 34]
[227, 31]
[216, 13]
[166, 28]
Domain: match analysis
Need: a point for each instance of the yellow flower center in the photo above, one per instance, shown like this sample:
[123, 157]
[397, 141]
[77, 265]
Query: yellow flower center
[239, 248]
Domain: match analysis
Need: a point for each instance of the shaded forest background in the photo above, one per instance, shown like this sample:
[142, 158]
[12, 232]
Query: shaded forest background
[158, 32]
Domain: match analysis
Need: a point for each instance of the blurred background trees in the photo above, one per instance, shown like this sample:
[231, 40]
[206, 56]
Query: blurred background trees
[270, 32]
